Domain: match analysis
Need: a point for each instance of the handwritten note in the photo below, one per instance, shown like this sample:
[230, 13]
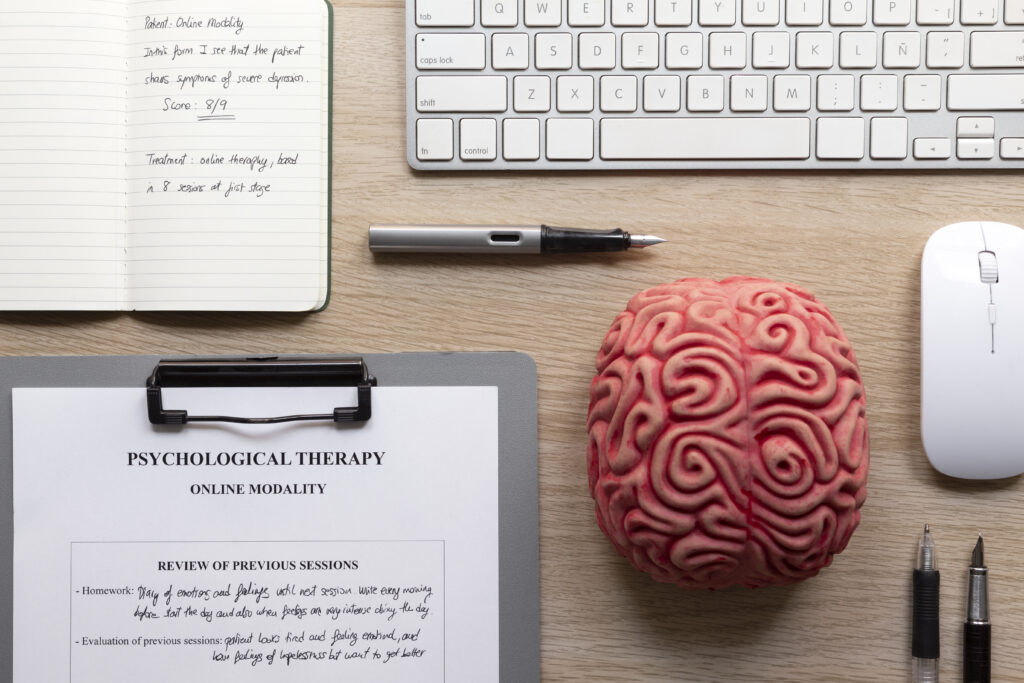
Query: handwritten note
[360, 608]
[174, 153]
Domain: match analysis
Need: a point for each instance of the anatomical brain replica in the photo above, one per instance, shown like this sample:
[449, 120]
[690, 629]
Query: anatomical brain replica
[728, 438]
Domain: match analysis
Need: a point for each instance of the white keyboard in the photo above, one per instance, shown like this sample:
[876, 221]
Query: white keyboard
[638, 84]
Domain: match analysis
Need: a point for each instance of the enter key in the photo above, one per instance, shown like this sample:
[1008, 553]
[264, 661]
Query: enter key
[997, 49]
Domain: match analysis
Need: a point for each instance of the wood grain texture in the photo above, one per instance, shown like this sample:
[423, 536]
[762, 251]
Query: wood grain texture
[854, 239]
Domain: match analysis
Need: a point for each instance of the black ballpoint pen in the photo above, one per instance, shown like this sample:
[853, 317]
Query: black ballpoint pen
[977, 628]
[496, 239]
[925, 643]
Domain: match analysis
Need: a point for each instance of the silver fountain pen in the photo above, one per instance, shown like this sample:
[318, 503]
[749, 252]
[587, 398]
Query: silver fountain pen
[925, 643]
[977, 628]
[496, 239]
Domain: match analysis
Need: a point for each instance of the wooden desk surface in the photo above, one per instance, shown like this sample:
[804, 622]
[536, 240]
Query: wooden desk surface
[855, 240]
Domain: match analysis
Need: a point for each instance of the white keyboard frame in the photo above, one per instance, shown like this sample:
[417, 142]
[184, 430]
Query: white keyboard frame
[923, 124]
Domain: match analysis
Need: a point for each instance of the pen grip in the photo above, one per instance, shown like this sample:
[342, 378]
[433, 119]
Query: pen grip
[559, 241]
[925, 642]
[977, 653]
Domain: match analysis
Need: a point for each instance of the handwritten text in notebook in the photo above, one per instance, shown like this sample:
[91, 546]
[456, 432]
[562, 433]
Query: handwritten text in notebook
[211, 122]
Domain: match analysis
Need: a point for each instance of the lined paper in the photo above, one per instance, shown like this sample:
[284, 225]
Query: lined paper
[228, 154]
[164, 154]
[62, 158]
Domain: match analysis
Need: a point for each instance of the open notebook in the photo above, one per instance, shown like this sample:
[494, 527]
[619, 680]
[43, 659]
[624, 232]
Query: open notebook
[165, 154]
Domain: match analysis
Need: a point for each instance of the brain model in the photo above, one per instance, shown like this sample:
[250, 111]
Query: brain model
[728, 439]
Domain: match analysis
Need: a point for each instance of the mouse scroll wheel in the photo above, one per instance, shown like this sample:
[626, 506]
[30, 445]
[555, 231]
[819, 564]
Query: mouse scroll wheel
[989, 267]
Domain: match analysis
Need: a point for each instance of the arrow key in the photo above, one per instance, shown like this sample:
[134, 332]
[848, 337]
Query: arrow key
[975, 127]
[975, 148]
[932, 148]
[1011, 148]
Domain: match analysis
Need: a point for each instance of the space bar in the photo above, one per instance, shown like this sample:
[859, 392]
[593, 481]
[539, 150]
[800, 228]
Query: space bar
[705, 138]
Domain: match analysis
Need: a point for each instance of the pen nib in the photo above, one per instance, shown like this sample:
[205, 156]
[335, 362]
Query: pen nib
[978, 556]
[642, 241]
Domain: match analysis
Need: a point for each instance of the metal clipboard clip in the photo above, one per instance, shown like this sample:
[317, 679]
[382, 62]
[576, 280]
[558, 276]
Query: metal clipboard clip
[259, 372]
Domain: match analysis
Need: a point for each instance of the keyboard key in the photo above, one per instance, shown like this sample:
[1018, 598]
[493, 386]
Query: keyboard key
[804, 12]
[935, 12]
[444, 12]
[975, 127]
[891, 12]
[461, 93]
[857, 50]
[451, 51]
[748, 93]
[1014, 12]
[554, 51]
[901, 50]
[932, 148]
[979, 92]
[889, 137]
[499, 13]
[639, 50]
[570, 139]
[760, 12]
[435, 139]
[814, 49]
[945, 50]
[673, 12]
[727, 50]
[478, 139]
[848, 12]
[705, 93]
[684, 50]
[922, 92]
[1011, 148]
[629, 12]
[618, 93]
[840, 138]
[586, 12]
[997, 49]
[597, 50]
[661, 93]
[792, 93]
[878, 92]
[510, 51]
[975, 148]
[520, 139]
[541, 12]
[575, 93]
[835, 93]
[716, 12]
[979, 11]
[531, 93]
[771, 50]
[705, 138]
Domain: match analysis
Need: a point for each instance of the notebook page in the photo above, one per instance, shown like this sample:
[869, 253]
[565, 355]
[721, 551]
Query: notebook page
[62, 110]
[228, 154]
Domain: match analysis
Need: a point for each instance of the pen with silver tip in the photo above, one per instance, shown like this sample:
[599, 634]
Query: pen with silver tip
[925, 642]
[497, 239]
[977, 628]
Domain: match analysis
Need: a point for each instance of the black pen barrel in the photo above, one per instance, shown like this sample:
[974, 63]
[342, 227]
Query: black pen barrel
[977, 653]
[563, 241]
[925, 644]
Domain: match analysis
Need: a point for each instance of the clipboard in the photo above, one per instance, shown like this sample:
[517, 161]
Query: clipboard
[514, 374]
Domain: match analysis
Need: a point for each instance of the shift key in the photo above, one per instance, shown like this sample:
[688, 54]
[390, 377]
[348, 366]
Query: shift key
[983, 92]
[461, 93]
[450, 51]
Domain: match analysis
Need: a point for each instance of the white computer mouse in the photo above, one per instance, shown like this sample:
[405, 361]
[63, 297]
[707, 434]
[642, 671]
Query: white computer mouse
[972, 350]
